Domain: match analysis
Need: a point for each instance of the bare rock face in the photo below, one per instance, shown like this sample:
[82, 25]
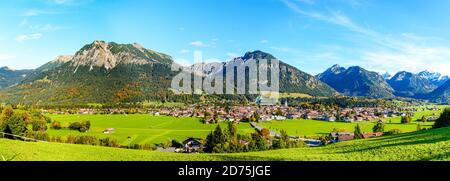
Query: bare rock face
[64, 58]
[109, 55]
[97, 55]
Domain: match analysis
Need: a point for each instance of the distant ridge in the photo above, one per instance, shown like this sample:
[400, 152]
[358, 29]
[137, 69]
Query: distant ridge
[356, 81]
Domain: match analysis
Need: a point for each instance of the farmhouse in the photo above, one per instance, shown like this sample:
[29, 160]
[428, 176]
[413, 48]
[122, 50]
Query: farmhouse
[192, 145]
[372, 135]
[341, 136]
[109, 131]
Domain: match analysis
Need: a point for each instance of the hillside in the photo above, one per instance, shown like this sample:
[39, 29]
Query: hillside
[292, 80]
[111, 73]
[407, 84]
[100, 72]
[424, 145]
[441, 94]
[10, 77]
[356, 81]
[435, 78]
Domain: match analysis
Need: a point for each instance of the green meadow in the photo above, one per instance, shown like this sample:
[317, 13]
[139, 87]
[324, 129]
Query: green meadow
[142, 128]
[431, 144]
[303, 127]
[145, 128]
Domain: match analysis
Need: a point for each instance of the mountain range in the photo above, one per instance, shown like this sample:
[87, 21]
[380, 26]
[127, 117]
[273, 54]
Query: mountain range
[107, 72]
[407, 84]
[434, 77]
[10, 77]
[356, 81]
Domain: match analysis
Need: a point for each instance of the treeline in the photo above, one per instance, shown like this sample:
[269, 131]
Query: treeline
[23, 123]
[443, 120]
[229, 141]
[94, 141]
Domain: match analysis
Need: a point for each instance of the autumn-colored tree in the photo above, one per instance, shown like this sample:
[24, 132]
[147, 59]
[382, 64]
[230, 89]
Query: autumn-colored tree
[265, 133]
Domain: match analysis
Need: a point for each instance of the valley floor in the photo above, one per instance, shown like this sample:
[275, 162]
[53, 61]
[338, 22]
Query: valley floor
[423, 145]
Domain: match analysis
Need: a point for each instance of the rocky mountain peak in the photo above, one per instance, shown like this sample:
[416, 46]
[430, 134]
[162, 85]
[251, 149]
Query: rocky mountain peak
[64, 58]
[96, 54]
[386, 76]
[109, 54]
[257, 54]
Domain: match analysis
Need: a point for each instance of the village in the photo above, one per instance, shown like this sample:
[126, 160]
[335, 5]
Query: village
[255, 114]
[213, 114]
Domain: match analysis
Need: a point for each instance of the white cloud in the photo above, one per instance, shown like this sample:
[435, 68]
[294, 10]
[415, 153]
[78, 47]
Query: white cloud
[197, 43]
[183, 51]
[34, 36]
[264, 41]
[413, 58]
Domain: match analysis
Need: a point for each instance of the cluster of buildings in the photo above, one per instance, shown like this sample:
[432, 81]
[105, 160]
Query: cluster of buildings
[213, 113]
[277, 112]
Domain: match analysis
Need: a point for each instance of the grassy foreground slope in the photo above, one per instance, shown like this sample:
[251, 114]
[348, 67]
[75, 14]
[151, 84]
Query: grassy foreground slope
[423, 145]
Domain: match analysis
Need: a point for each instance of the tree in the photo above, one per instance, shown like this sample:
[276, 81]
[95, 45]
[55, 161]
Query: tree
[423, 119]
[379, 127]
[81, 127]
[418, 128]
[75, 126]
[216, 119]
[278, 112]
[443, 120]
[16, 124]
[7, 112]
[265, 133]
[232, 129]
[406, 119]
[39, 125]
[284, 140]
[256, 116]
[56, 125]
[259, 142]
[216, 140]
[358, 133]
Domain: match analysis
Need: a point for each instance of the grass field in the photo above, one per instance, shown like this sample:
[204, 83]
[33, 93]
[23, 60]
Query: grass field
[302, 127]
[142, 128]
[424, 145]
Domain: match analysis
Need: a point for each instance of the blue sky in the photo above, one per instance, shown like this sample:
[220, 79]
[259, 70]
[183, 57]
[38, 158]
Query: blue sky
[382, 35]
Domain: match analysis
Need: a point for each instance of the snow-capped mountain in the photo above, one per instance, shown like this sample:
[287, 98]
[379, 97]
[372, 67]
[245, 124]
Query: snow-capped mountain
[434, 77]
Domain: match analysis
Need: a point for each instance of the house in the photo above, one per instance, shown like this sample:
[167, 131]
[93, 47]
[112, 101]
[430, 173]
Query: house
[341, 136]
[330, 118]
[192, 145]
[348, 120]
[109, 131]
[372, 135]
